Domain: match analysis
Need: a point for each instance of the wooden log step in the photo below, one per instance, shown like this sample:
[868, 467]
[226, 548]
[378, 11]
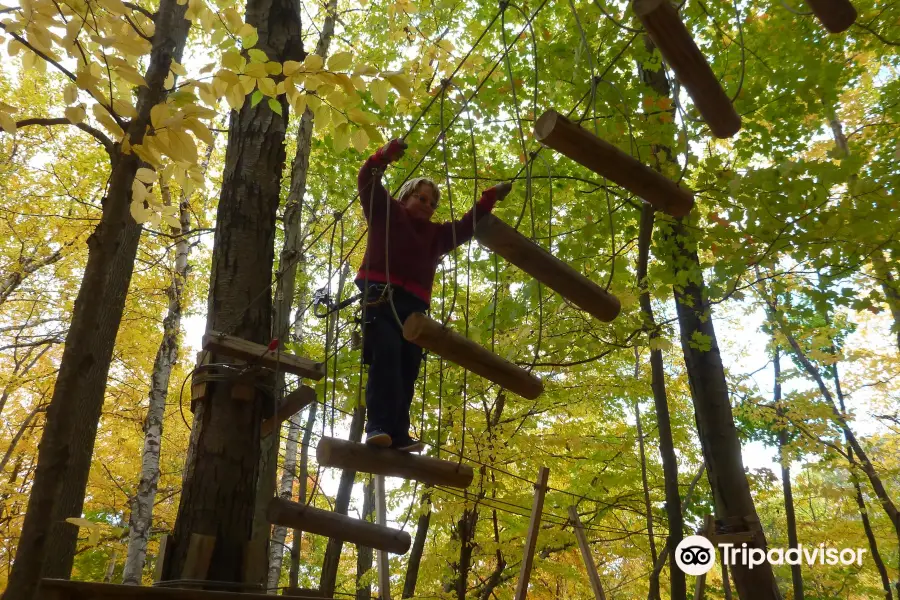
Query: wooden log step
[258, 354]
[431, 335]
[324, 522]
[835, 15]
[546, 268]
[61, 589]
[343, 454]
[290, 405]
[664, 25]
[556, 131]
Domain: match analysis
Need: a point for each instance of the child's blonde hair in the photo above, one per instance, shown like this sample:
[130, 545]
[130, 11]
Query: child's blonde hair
[409, 188]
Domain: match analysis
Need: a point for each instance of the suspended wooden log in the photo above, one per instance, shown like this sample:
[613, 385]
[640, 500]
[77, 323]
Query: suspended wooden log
[258, 354]
[324, 522]
[61, 589]
[290, 405]
[835, 15]
[546, 268]
[664, 25]
[556, 131]
[343, 454]
[534, 527]
[431, 335]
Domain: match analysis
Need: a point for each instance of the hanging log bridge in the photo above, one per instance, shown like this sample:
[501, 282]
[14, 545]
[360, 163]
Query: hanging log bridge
[343, 454]
[835, 15]
[323, 522]
[517, 249]
[556, 131]
[60, 589]
[431, 335]
[664, 26]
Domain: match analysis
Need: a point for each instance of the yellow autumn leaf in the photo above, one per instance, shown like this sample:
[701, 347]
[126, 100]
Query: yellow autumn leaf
[291, 67]
[200, 130]
[124, 109]
[75, 114]
[379, 89]
[172, 221]
[360, 116]
[360, 140]
[359, 83]
[146, 175]
[158, 114]
[185, 143]
[81, 522]
[401, 83]
[273, 68]
[116, 7]
[7, 123]
[138, 191]
[314, 102]
[233, 61]
[298, 103]
[341, 137]
[70, 94]
[267, 87]
[235, 97]
[130, 75]
[257, 70]
[178, 69]
[365, 70]
[337, 99]
[322, 115]
[340, 61]
[313, 62]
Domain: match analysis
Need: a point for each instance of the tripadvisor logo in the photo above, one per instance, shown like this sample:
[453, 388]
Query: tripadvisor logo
[695, 555]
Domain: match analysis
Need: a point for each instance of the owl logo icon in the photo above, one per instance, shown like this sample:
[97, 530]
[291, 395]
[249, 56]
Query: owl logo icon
[695, 555]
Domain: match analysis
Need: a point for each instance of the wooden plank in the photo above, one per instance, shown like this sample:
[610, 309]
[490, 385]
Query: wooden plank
[665, 27]
[556, 131]
[62, 589]
[534, 527]
[323, 522]
[257, 354]
[543, 266]
[343, 454]
[199, 555]
[586, 555]
[431, 335]
[160, 557]
[835, 15]
[384, 565]
[293, 403]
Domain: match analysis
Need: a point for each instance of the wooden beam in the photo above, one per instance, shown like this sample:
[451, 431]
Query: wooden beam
[543, 266]
[534, 527]
[431, 335]
[290, 405]
[160, 557]
[343, 454]
[556, 131]
[835, 15]
[586, 556]
[199, 555]
[62, 589]
[384, 565]
[253, 353]
[324, 522]
[663, 23]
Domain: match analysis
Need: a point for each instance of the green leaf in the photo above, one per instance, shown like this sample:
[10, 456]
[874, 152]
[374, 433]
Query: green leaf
[255, 98]
[275, 105]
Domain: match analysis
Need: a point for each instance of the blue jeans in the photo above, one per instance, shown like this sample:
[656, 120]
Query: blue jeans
[393, 361]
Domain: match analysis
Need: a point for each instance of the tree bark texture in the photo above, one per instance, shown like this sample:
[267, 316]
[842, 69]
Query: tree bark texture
[285, 490]
[890, 287]
[220, 479]
[418, 548]
[47, 543]
[363, 554]
[289, 261]
[166, 358]
[332, 558]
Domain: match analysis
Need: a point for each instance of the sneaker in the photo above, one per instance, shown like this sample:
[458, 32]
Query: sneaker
[408, 444]
[378, 438]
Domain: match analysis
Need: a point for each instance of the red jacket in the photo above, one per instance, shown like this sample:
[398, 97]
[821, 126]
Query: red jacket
[415, 246]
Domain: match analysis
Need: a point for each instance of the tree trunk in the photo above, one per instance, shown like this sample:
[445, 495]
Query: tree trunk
[648, 507]
[220, 478]
[166, 358]
[341, 505]
[284, 301]
[785, 460]
[363, 554]
[890, 287]
[303, 476]
[47, 543]
[418, 548]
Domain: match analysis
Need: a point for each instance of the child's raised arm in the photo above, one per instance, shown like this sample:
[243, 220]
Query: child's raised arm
[369, 179]
[456, 233]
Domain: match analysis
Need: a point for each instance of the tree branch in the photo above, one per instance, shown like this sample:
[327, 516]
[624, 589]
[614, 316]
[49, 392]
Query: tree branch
[99, 135]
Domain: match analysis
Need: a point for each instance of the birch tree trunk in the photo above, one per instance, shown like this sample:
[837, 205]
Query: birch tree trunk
[785, 460]
[47, 543]
[301, 495]
[363, 554]
[166, 357]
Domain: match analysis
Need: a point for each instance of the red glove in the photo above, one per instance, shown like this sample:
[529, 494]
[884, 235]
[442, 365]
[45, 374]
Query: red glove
[391, 152]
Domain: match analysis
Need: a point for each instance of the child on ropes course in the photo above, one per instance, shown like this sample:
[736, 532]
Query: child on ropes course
[403, 250]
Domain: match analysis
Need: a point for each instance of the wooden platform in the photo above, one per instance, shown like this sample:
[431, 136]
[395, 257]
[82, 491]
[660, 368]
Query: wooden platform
[835, 15]
[290, 405]
[546, 268]
[431, 335]
[330, 524]
[664, 26]
[60, 589]
[257, 354]
[556, 131]
[343, 454]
